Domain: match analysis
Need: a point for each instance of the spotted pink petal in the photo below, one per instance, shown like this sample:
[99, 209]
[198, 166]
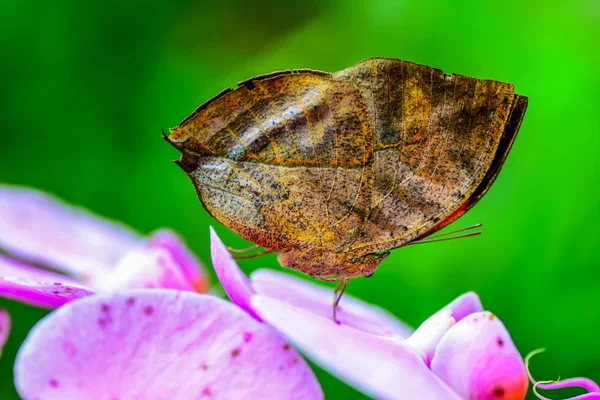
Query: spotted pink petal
[378, 366]
[159, 344]
[29, 285]
[234, 281]
[4, 328]
[182, 256]
[44, 230]
[478, 359]
[297, 292]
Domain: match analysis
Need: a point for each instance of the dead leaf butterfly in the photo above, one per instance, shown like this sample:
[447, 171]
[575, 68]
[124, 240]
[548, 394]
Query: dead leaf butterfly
[331, 171]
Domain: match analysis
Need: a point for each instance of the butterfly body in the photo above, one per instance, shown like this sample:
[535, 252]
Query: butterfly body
[332, 171]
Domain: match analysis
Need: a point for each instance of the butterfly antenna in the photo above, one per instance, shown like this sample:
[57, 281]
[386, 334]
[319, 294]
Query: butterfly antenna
[468, 228]
[444, 239]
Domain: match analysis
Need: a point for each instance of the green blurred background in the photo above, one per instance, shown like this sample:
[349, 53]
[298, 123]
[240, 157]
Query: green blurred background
[87, 87]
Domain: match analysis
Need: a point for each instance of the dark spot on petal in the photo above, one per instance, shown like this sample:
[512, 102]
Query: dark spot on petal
[130, 301]
[294, 360]
[475, 320]
[206, 392]
[499, 392]
[500, 342]
[235, 352]
[57, 283]
[103, 321]
[55, 292]
[286, 347]
[247, 337]
[53, 383]
[492, 317]
[148, 310]
[105, 308]
[203, 366]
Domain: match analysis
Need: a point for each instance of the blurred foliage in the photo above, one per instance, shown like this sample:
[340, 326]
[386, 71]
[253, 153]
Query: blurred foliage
[87, 87]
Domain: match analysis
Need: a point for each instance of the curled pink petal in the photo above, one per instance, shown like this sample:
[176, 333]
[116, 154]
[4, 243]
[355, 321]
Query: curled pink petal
[44, 230]
[465, 305]
[584, 383]
[21, 282]
[234, 281]
[378, 366]
[159, 344]
[4, 328]
[182, 256]
[478, 359]
[319, 300]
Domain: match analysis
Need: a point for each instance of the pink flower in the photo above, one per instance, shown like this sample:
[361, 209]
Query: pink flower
[461, 352]
[130, 344]
[159, 344]
[52, 253]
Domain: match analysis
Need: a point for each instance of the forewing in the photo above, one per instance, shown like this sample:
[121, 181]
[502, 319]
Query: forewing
[283, 160]
[436, 137]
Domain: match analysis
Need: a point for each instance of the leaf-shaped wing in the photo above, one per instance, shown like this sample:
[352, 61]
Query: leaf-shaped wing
[283, 160]
[437, 137]
[358, 162]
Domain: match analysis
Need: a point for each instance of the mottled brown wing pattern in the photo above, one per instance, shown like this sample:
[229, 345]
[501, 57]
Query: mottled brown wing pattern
[332, 170]
[284, 161]
[436, 134]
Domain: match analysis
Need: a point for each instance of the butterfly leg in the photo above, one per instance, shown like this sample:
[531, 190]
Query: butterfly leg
[243, 251]
[337, 296]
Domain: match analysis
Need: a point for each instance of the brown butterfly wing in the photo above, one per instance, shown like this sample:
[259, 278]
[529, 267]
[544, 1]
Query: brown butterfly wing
[284, 160]
[358, 162]
[437, 137]
[508, 137]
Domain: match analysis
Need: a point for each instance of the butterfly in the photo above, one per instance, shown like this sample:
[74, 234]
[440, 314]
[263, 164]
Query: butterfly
[333, 170]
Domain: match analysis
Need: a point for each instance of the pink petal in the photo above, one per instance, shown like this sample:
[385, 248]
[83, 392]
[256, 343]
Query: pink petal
[465, 305]
[159, 344]
[144, 267]
[4, 328]
[27, 284]
[583, 383]
[319, 301]
[426, 338]
[377, 366]
[478, 359]
[43, 229]
[182, 256]
[234, 281]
